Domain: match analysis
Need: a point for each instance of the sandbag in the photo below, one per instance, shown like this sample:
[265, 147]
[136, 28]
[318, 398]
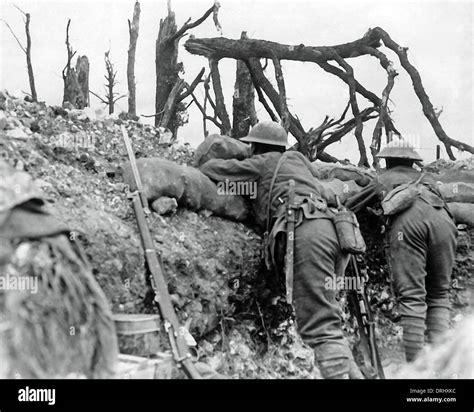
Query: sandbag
[220, 147]
[462, 212]
[342, 189]
[442, 165]
[457, 192]
[345, 173]
[452, 176]
[191, 188]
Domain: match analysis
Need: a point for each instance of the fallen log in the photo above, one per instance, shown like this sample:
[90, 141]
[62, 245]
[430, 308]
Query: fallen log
[243, 49]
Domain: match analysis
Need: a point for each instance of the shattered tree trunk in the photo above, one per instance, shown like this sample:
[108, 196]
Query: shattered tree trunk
[166, 68]
[76, 80]
[133, 28]
[110, 77]
[243, 111]
[76, 84]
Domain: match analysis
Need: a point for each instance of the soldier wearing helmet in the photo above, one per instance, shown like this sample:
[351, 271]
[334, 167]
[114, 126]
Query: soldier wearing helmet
[317, 253]
[37, 248]
[421, 246]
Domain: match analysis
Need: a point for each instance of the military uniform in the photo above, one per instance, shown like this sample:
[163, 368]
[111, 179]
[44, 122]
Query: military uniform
[421, 250]
[317, 254]
[59, 266]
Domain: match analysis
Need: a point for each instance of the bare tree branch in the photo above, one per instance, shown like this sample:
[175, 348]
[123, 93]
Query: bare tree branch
[220, 105]
[261, 96]
[426, 104]
[190, 88]
[20, 10]
[285, 114]
[363, 161]
[100, 98]
[347, 127]
[14, 35]
[170, 106]
[205, 115]
[187, 26]
[384, 119]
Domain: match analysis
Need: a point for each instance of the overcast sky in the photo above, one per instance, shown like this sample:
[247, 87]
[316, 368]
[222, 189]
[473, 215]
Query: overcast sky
[438, 34]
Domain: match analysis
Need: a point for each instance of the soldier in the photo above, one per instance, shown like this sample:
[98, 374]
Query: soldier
[55, 320]
[317, 254]
[421, 244]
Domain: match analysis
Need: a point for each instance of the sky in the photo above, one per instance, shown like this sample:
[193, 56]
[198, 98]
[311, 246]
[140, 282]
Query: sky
[439, 36]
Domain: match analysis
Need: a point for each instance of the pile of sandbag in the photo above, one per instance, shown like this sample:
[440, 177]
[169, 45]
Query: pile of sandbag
[168, 185]
[191, 188]
[329, 171]
[220, 147]
[456, 184]
[460, 198]
[342, 189]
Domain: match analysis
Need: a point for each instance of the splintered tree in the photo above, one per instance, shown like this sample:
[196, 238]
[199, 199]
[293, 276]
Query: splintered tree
[76, 80]
[171, 90]
[27, 51]
[133, 28]
[243, 105]
[333, 59]
[111, 97]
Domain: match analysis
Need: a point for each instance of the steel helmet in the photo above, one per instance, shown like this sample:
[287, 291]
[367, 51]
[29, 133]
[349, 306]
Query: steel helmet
[267, 132]
[16, 187]
[399, 148]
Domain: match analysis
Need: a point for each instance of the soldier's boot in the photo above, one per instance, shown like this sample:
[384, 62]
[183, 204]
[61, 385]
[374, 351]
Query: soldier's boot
[437, 323]
[413, 336]
[335, 361]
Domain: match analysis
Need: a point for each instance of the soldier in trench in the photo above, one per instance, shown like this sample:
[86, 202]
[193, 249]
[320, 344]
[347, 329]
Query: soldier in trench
[317, 253]
[421, 241]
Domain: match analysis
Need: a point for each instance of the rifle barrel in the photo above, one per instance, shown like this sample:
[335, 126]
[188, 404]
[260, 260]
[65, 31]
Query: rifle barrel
[156, 276]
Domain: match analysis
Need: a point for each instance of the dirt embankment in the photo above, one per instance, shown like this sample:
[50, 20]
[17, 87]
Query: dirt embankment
[233, 308]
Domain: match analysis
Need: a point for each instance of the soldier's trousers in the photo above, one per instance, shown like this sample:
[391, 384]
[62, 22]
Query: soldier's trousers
[422, 243]
[317, 311]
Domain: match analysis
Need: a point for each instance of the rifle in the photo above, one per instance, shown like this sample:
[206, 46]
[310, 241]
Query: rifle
[176, 333]
[360, 308]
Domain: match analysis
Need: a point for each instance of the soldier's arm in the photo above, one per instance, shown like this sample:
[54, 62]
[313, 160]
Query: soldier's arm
[328, 195]
[368, 196]
[232, 170]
